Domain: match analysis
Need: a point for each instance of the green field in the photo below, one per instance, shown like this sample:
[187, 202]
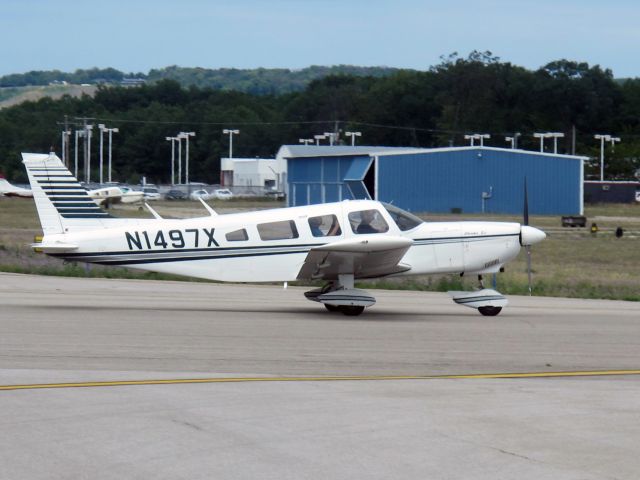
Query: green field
[571, 262]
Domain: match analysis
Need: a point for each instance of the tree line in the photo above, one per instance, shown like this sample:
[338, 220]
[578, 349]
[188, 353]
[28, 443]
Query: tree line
[258, 81]
[433, 108]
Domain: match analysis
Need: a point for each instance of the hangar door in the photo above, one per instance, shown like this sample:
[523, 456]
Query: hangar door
[360, 178]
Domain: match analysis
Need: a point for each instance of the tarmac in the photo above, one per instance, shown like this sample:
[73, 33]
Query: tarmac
[106, 379]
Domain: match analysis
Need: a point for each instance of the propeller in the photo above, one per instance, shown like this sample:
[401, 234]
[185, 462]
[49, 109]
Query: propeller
[529, 235]
[525, 215]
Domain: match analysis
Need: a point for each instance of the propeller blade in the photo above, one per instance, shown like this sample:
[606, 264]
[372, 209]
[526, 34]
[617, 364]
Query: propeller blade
[525, 209]
[528, 248]
[525, 215]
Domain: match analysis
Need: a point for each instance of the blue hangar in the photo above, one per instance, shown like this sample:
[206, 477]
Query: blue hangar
[438, 180]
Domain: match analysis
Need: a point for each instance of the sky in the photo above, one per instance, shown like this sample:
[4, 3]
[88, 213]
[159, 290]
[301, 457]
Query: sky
[138, 35]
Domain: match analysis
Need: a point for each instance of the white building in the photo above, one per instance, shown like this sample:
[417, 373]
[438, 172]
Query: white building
[268, 173]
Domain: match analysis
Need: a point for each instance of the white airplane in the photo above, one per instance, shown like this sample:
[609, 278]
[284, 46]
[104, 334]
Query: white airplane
[115, 194]
[12, 191]
[335, 242]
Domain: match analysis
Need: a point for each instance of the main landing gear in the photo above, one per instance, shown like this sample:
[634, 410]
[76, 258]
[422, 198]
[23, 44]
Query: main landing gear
[341, 296]
[489, 302]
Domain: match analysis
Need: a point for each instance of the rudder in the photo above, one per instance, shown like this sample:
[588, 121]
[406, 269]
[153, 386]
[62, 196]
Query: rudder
[60, 199]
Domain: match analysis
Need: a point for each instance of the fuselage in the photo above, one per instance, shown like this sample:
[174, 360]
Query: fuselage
[271, 245]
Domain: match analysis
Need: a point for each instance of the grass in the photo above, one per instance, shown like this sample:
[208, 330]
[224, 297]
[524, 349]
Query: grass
[569, 263]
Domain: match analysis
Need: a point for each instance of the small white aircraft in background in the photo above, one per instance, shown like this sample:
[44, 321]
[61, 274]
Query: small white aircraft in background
[12, 191]
[335, 242]
[115, 194]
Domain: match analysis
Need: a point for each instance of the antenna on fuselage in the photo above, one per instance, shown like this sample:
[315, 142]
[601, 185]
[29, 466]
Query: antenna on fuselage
[153, 212]
[209, 209]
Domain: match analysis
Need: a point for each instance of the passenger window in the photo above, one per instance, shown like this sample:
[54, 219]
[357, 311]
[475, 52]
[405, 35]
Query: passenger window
[278, 230]
[367, 221]
[237, 236]
[324, 226]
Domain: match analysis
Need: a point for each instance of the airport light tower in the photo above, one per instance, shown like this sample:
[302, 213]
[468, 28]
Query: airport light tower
[542, 136]
[353, 136]
[477, 136]
[101, 127]
[173, 157]
[512, 140]
[555, 136]
[332, 137]
[65, 141]
[111, 131]
[186, 136]
[604, 138]
[87, 154]
[231, 133]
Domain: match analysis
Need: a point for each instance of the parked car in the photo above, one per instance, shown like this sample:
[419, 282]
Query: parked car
[175, 195]
[151, 193]
[203, 194]
[222, 194]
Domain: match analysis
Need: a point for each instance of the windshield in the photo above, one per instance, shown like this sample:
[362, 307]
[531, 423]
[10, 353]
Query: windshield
[404, 220]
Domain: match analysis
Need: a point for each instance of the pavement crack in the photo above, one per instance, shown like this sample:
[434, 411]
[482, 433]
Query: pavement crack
[189, 425]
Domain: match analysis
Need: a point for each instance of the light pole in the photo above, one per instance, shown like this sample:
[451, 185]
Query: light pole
[231, 133]
[111, 132]
[512, 140]
[477, 136]
[555, 136]
[65, 141]
[541, 136]
[173, 157]
[186, 136]
[318, 138]
[604, 138]
[353, 136]
[87, 165]
[482, 136]
[101, 128]
[78, 133]
[179, 138]
[332, 137]
[306, 141]
[613, 141]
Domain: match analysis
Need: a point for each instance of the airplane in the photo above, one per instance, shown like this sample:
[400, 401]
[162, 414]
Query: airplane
[337, 243]
[12, 191]
[115, 194]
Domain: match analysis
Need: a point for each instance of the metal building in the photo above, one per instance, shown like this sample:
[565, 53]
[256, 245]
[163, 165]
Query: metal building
[440, 180]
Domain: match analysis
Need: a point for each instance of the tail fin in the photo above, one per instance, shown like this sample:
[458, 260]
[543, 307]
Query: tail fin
[61, 201]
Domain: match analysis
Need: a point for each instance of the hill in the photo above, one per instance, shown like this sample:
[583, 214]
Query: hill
[257, 81]
[10, 96]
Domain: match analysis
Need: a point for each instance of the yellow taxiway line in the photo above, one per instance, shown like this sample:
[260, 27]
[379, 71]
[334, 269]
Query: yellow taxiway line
[175, 381]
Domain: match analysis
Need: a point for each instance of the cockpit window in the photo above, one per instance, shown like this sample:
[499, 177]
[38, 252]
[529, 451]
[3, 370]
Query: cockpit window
[324, 226]
[367, 221]
[404, 220]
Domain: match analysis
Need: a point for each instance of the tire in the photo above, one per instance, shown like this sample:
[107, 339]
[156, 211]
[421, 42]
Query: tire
[489, 311]
[332, 308]
[351, 310]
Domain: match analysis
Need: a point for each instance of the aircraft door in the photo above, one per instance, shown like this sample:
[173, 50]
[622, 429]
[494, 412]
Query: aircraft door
[449, 249]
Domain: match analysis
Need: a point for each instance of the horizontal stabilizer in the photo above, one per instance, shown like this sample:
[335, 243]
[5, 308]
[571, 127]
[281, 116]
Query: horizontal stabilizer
[55, 247]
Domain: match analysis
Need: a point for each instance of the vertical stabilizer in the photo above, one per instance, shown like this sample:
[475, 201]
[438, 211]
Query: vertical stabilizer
[60, 199]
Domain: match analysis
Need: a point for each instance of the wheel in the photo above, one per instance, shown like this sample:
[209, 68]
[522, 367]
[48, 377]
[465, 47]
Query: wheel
[489, 311]
[351, 310]
[332, 308]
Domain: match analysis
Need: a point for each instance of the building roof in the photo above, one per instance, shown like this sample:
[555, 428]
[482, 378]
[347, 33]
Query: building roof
[301, 151]
[296, 151]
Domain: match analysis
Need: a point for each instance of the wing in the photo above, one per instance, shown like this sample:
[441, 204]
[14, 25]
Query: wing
[363, 257]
